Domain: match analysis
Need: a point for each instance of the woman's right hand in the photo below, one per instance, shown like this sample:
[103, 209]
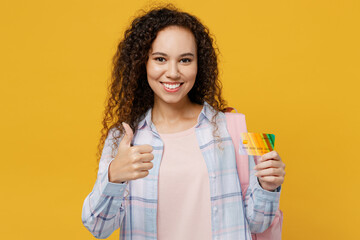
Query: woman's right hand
[131, 162]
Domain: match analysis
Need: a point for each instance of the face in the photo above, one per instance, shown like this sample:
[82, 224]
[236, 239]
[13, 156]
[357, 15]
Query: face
[172, 65]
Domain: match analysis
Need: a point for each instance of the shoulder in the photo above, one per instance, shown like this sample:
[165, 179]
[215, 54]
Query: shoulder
[114, 132]
[212, 114]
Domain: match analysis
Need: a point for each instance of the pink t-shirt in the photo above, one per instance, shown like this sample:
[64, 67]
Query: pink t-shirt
[184, 210]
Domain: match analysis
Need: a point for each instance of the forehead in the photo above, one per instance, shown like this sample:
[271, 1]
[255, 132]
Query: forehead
[174, 39]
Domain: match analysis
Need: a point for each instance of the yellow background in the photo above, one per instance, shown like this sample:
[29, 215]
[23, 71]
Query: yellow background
[291, 66]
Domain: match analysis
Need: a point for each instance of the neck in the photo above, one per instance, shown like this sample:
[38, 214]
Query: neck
[173, 112]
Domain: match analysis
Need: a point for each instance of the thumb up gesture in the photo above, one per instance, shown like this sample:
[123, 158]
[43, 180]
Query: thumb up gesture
[131, 162]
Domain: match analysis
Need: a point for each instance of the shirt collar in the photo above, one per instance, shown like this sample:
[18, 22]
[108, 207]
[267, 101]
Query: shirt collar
[206, 113]
[146, 120]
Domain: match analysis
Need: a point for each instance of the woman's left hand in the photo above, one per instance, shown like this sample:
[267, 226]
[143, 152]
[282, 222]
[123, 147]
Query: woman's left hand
[270, 171]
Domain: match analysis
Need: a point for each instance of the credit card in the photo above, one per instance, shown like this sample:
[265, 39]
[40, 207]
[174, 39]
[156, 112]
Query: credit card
[256, 144]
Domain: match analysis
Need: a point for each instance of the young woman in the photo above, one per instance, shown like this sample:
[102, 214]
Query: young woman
[167, 168]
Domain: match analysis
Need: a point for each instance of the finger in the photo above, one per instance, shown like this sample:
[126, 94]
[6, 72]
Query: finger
[146, 166]
[270, 155]
[273, 179]
[147, 157]
[128, 135]
[142, 174]
[146, 148]
[270, 172]
[268, 164]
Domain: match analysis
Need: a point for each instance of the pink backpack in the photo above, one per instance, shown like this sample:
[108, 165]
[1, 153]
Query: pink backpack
[236, 124]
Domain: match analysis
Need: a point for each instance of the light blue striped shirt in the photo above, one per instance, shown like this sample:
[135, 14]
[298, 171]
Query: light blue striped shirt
[132, 206]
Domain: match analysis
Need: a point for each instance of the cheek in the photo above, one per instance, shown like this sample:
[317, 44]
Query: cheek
[191, 73]
[153, 71]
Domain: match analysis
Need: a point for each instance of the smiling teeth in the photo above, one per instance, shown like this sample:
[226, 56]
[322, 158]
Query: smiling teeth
[171, 86]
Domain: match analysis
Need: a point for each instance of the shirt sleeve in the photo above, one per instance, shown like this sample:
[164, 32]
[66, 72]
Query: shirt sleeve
[103, 209]
[260, 204]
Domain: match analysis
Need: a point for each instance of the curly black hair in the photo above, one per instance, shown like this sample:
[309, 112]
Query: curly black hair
[130, 95]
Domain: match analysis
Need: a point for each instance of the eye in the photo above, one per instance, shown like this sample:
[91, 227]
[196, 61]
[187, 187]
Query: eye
[160, 59]
[185, 60]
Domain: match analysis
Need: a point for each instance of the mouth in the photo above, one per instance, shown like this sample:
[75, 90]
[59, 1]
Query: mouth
[171, 87]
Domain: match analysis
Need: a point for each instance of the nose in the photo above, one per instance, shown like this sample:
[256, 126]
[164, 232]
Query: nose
[173, 71]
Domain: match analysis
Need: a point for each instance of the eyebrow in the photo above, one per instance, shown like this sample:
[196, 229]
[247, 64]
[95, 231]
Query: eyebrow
[165, 55]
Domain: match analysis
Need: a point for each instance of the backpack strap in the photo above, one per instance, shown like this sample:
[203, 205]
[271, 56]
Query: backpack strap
[235, 125]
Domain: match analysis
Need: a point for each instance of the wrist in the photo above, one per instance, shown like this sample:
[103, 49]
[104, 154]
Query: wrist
[270, 190]
[112, 174]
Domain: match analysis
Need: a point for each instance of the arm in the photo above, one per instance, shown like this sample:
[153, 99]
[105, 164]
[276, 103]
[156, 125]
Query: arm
[103, 209]
[260, 204]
